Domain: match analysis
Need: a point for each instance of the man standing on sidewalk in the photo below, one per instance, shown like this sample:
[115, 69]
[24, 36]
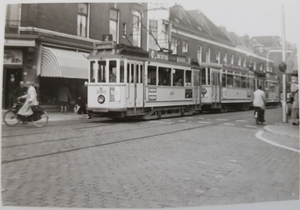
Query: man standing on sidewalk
[295, 108]
[83, 100]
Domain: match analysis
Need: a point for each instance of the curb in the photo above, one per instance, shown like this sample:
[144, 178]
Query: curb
[270, 130]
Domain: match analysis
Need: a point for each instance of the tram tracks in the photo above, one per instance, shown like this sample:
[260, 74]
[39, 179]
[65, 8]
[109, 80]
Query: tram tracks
[102, 144]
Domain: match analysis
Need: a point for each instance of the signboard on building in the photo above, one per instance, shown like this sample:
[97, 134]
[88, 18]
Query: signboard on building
[13, 57]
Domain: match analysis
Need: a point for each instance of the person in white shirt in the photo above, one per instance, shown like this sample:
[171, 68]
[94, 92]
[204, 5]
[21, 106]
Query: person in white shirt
[31, 100]
[259, 103]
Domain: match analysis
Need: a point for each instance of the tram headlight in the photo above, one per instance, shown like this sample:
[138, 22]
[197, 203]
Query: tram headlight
[101, 99]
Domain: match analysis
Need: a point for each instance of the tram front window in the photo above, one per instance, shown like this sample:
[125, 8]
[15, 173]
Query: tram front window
[164, 75]
[92, 71]
[101, 71]
[112, 71]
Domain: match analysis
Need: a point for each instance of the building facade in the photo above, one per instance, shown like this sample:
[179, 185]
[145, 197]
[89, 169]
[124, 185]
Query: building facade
[48, 43]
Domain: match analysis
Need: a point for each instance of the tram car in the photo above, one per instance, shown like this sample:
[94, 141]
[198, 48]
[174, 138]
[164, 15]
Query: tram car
[128, 82]
[270, 84]
[226, 87]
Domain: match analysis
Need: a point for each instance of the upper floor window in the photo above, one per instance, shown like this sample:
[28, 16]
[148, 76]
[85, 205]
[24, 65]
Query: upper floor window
[124, 30]
[82, 17]
[113, 24]
[232, 59]
[137, 26]
[153, 29]
[225, 58]
[239, 61]
[12, 14]
[254, 65]
[218, 57]
[185, 47]
[174, 44]
[208, 55]
[199, 54]
[245, 62]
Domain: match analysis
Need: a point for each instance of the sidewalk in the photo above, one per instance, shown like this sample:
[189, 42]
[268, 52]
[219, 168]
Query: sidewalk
[284, 135]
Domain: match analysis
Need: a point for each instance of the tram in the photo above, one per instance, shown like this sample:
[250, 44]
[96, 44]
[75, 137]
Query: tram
[128, 82]
[271, 86]
[226, 87]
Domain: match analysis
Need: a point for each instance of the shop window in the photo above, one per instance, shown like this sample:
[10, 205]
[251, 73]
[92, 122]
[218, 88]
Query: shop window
[112, 71]
[164, 76]
[101, 71]
[229, 82]
[151, 75]
[188, 78]
[178, 77]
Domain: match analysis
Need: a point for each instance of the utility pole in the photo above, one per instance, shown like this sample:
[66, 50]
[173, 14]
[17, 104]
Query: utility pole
[284, 103]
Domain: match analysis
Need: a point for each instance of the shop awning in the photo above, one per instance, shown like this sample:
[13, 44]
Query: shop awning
[64, 64]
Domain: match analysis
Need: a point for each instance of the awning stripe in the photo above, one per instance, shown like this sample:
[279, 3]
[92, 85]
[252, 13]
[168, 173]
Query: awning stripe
[63, 64]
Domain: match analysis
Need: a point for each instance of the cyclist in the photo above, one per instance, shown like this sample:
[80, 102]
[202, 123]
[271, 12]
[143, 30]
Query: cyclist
[259, 103]
[31, 100]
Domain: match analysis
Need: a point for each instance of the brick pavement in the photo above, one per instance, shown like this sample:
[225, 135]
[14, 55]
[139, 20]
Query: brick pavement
[204, 166]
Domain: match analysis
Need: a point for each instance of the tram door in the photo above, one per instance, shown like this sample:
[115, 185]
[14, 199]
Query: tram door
[215, 86]
[134, 91]
[197, 88]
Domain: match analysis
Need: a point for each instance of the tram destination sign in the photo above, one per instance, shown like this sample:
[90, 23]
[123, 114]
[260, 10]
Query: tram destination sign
[154, 54]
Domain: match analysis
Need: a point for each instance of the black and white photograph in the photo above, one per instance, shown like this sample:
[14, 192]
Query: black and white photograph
[150, 105]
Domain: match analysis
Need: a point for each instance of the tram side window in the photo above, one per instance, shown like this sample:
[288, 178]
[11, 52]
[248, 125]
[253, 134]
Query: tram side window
[248, 82]
[92, 71]
[112, 71]
[137, 73]
[224, 80]
[122, 71]
[188, 78]
[130, 70]
[178, 77]
[229, 82]
[101, 71]
[164, 76]
[243, 82]
[151, 75]
[237, 81]
[203, 76]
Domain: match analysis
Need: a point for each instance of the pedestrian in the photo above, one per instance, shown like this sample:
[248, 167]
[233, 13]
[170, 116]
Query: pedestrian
[21, 90]
[259, 103]
[11, 91]
[83, 100]
[31, 100]
[63, 98]
[295, 108]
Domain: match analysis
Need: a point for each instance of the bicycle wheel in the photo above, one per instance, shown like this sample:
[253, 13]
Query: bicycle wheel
[10, 118]
[42, 121]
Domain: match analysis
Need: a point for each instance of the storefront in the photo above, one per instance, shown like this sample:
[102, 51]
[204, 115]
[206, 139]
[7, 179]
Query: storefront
[61, 67]
[19, 64]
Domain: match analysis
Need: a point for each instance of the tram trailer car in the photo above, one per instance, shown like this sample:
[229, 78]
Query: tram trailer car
[226, 87]
[125, 83]
[271, 87]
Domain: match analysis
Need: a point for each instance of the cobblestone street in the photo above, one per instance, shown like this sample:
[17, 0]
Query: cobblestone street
[150, 164]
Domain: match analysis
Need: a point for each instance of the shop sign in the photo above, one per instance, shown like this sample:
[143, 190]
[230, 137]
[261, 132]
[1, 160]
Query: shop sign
[13, 57]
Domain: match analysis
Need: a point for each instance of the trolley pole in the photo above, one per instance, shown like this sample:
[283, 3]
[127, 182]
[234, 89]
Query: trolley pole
[284, 103]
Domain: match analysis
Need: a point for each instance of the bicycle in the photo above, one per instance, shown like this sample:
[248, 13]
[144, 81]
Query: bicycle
[39, 117]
